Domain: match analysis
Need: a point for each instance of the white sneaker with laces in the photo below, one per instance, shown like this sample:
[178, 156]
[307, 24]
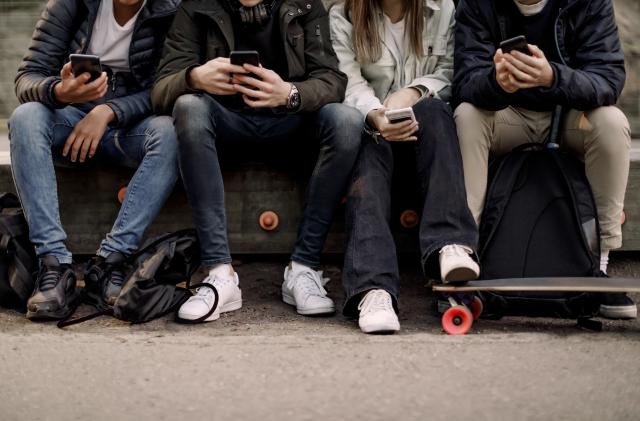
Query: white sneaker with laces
[456, 264]
[230, 299]
[303, 288]
[377, 314]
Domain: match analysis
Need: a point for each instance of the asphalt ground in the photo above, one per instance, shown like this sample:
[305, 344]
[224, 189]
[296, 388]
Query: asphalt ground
[264, 362]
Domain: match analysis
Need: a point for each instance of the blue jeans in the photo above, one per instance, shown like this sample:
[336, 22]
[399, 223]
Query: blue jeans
[434, 161]
[204, 126]
[37, 135]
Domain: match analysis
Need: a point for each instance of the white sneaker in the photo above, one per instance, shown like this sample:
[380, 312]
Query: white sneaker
[230, 299]
[456, 264]
[303, 288]
[377, 314]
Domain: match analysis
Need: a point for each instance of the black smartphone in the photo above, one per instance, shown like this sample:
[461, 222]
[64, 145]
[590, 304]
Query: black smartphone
[85, 63]
[518, 43]
[238, 58]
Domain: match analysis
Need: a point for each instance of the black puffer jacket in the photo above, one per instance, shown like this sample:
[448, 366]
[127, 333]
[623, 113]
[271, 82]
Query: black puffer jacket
[65, 28]
[591, 76]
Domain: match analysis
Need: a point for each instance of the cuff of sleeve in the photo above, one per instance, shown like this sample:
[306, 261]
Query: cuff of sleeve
[554, 86]
[119, 113]
[52, 95]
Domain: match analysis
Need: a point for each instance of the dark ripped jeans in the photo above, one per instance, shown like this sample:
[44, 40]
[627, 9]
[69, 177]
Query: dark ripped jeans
[370, 259]
[204, 126]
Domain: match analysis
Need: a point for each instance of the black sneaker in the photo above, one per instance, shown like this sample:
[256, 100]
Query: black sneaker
[104, 279]
[55, 296]
[618, 306]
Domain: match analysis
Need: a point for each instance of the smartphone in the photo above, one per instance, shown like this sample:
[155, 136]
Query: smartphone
[518, 43]
[400, 115]
[238, 58]
[84, 63]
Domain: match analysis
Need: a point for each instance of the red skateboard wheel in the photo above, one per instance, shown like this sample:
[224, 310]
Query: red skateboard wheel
[269, 220]
[121, 194]
[476, 307]
[457, 320]
[409, 219]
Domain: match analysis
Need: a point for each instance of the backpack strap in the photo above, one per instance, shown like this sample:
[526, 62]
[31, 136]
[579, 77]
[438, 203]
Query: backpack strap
[69, 321]
[147, 247]
[210, 312]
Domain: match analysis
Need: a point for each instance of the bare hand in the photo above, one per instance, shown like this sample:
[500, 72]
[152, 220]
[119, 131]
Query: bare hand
[403, 98]
[504, 78]
[530, 71]
[392, 132]
[76, 90]
[215, 76]
[270, 91]
[86, 135]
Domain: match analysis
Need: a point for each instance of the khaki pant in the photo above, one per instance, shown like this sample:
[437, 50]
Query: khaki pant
[600, 137]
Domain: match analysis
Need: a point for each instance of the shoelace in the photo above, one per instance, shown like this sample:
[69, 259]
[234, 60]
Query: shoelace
[311, 282]
[49, 280]
[378, 300]
[206, 294]
[455, 250]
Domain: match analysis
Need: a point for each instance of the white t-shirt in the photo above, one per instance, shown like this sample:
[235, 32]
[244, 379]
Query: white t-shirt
[109, 40]
[531, 9]
[397, 34]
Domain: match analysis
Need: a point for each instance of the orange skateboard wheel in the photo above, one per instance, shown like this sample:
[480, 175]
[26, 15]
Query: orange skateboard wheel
[457, 320]
[409, 219]
[121, 194]
[269, 220]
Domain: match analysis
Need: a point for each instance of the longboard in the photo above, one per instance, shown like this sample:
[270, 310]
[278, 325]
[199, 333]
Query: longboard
[546, 285]
[467, 307]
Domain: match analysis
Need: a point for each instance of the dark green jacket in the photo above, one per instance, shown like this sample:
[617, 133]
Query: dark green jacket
[202, 31]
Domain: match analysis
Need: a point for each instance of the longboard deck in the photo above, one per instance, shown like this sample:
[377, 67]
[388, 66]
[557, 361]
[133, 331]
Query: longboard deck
[547, 285]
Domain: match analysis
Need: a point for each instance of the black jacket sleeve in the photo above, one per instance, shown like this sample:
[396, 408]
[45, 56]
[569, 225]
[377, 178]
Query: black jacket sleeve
[132, 108]
[474, 78]
[39, 72]
[597, 75]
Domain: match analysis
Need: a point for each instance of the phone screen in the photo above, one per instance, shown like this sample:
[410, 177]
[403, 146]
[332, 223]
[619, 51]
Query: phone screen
[518, 43]
[82, 63]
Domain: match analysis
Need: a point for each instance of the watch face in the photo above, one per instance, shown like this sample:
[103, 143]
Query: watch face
[295, 100]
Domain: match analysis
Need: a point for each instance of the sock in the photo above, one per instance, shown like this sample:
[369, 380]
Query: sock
[296, 267]
[604, 260]
[223, 271]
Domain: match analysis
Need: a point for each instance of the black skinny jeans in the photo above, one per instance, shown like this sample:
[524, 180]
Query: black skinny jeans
[370, 259]
[203, 125]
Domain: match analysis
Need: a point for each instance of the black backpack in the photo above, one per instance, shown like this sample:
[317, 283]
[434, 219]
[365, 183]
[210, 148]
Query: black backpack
[539, 220]
[18, 261]
[150, 290]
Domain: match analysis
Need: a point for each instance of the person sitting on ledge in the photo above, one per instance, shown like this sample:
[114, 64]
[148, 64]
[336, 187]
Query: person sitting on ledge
[69, 119]
[287, 106]
[573, 59]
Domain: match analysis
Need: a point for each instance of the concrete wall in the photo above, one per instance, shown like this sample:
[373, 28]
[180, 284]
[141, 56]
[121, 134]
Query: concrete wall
[18, 17]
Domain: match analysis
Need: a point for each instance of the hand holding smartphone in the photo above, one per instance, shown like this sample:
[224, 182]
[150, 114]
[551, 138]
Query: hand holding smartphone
[85, 63]
[518, 43]
[400, 115]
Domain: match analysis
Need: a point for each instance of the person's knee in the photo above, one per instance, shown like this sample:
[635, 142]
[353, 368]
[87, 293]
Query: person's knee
[610, 128]
[189, 108]
[470, 122]
[427, 108]
[162, 135]
[27, 122]
[346, 125]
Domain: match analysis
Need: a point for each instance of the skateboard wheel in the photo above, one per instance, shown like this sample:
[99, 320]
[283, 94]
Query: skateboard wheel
[476, 307]
[457, 320]
[269, 220]
[623, 218]
[121, 194]
[409, 219]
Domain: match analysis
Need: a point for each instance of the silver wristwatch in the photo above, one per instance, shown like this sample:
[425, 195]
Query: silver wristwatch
[293, 102]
